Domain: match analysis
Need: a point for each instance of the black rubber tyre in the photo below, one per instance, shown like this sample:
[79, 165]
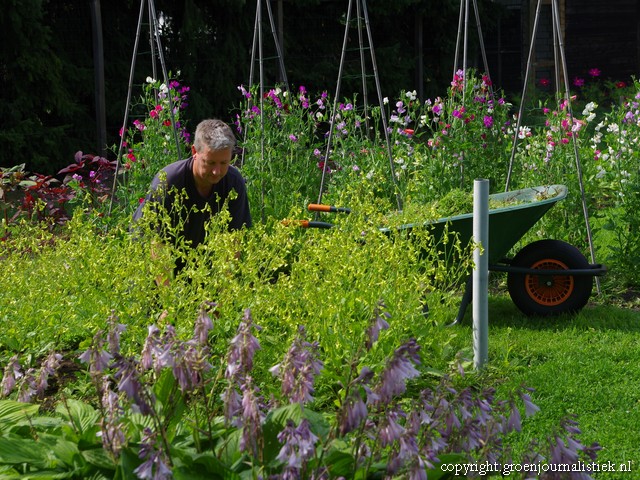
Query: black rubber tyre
[547, 295]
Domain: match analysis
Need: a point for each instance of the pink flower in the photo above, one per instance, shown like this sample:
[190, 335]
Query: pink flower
[594, 72]
[544, 82]
[578, 82]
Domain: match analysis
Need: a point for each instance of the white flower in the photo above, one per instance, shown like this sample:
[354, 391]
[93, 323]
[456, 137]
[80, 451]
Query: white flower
[150, 80]
[385, 100]
[164, 89]
[613, 128]
[411, 95]
[524, 132]
[589, 107]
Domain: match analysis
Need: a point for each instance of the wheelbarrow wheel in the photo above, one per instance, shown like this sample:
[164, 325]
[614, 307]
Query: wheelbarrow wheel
[547, 295]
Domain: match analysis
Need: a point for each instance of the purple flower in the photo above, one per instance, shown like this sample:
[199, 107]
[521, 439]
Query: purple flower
[251, 417]
[203, 325]
[48, 369]
[232, 405]
[293, 138]
[298, 447]
[12, 372]
[378, 322]
[390, 430]
[488, 121]
[529, 407]
[299, 369]
[155, 466]
[128, 378]
[112, 427]
[399, 369]
[578, 82]
[27, 388]
[113, 337]
[96, 356]
[242, 349]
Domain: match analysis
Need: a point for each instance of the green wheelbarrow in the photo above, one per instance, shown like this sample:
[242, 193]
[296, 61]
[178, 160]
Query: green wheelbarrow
[545, 278]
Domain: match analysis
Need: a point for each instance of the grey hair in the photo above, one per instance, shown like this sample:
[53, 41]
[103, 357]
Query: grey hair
[214, 134]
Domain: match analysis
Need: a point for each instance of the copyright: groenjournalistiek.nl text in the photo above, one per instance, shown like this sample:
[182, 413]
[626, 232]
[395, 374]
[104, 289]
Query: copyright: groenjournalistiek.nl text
[487, 468]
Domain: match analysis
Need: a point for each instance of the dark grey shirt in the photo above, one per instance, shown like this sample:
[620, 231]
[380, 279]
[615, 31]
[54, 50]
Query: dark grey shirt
[179, 177]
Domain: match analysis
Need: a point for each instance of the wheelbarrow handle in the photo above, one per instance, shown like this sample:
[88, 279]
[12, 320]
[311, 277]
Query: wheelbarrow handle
[317, 207]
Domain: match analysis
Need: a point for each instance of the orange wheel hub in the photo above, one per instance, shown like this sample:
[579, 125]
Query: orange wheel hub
[549, 290]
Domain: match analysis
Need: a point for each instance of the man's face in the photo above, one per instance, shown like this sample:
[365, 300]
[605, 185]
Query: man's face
[210, 166]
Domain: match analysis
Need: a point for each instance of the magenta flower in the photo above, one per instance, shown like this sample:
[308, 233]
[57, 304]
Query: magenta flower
[578, 82]
[544, 82]
[488, 121]
[594, 72]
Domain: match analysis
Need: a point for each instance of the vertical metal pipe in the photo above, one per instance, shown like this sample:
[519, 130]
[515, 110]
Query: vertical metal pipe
[481, 273]
[98, 62]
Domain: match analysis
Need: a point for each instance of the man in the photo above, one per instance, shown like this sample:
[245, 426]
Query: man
[203, 183]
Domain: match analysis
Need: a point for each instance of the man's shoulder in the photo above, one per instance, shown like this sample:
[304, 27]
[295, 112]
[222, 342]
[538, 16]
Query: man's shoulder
[177, 168]
[235, 176]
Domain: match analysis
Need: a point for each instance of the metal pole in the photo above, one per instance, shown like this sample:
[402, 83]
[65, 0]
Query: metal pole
[98, 61]
[481, 273]
[524, 91]
[585, 211]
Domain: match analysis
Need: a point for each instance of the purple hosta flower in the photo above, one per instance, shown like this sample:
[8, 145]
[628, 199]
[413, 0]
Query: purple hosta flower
[378, 322]
[399, 369]
[127, 375]
[203, 325]
[113, 337]
[529, 407]
[354, 409]
[190, 362]
[515, 420]
[96, 356]
[390, 430]
[111, 425]
[12, 372]
[27, 386]
[299, 369]
[49, 368]
[251, 418]
[156, 465]
[150, 346]
[232, 405]
[242, 349]
[298, 447]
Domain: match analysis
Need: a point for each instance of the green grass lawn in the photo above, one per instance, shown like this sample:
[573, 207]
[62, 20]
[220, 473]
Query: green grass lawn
[585, 365]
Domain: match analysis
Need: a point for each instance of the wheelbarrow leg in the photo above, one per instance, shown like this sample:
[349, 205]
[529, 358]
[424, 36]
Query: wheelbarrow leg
[466, 300]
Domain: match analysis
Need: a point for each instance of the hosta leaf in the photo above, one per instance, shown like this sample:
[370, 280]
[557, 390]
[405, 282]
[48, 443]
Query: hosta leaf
[82, 415]
[99, 458]
[12, 412]
[16, 451]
